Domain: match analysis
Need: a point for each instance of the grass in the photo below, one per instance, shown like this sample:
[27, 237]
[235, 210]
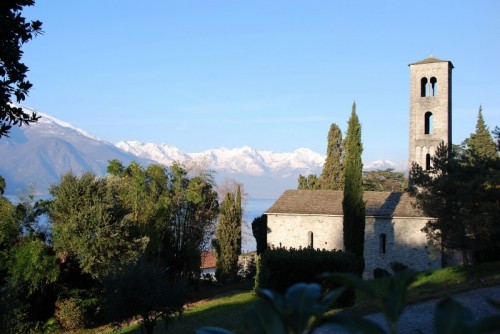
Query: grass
[228, 311]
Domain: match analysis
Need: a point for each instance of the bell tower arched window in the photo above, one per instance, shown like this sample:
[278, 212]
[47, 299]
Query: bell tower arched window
[434, 87]
[428, 123]
[423, 87]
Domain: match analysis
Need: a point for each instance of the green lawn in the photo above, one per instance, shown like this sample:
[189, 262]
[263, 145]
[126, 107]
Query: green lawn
[228, 312]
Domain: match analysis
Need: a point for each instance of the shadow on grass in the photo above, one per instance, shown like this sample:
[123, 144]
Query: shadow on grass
[226, 312]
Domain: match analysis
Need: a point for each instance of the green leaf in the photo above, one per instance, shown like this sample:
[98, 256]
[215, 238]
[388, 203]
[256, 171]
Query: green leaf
[263, 318]
[302, 299]
[394, 300]
[351, 280]
[453, 318]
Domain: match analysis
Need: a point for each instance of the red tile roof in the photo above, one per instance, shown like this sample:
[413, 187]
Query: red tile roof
[207, 260]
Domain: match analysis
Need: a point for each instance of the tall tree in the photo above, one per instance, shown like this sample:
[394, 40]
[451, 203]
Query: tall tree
[228, 238]
[461, 193]
[332, 176]
[384, 180]
[311, 182]
[480, 144]
[353, 204]
[15, 30]
[259, 231]
[176, 212]
[239, 211]
[92, 226]
[496, 134]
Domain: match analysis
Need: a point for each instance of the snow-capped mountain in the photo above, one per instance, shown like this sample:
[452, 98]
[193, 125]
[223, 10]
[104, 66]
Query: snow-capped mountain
[40, 153]
[385, 164]
[37, 155]
[244, 160]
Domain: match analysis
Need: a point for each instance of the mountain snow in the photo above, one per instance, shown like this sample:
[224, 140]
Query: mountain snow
[244, 160]
[40, 153]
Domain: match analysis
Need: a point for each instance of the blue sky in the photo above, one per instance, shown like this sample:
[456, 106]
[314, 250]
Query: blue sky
[269, 74]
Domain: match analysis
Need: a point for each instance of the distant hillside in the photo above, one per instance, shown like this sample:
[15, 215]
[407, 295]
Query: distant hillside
[39, 154]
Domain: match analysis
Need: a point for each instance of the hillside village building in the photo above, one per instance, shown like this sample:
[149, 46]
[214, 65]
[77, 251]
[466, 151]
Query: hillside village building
[313, 218]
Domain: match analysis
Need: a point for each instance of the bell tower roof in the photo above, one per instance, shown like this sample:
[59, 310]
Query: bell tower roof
[432, 59]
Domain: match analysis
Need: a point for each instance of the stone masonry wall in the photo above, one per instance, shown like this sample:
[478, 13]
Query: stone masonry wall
[405, 242]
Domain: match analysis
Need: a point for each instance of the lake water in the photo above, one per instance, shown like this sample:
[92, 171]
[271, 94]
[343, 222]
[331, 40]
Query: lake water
[253, 208]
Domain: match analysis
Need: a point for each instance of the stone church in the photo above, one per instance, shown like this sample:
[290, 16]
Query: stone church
[313, 218]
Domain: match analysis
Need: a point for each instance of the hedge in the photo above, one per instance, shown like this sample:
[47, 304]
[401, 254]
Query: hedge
[280, 268]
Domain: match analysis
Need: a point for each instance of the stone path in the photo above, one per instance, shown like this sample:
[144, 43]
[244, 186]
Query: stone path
[419, 318]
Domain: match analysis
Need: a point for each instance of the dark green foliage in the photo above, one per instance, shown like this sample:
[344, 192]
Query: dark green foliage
[353, 204]
[143, 290]
[496, 135]
[92, 225]
[2, 185]
[332, 175]
[228, 238]
[259, 230]
[304, 308]
[28, 268]
[480, 144]
[384, 180]
[461, 191]
[311, 182]
[14, 32]
[32, 266]
[280, 268]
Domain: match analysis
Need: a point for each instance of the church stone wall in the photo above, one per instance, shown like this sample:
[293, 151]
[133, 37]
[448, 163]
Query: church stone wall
[292, 231]
[404, 243]
[404, 240]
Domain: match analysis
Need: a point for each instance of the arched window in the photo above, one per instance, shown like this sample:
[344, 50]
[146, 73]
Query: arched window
[310, 239]
[428, 123]
[434, 87]
[383, 243]
[423, 87]
[427, 161]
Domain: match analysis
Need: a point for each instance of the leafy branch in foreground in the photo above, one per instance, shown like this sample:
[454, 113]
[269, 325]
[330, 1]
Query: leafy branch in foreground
[302, 309]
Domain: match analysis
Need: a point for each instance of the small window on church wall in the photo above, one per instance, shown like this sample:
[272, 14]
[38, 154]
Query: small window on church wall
[383, 243]
[423, 87]
[434, 87]
[428, 123]
[310, 239]
[427, 161]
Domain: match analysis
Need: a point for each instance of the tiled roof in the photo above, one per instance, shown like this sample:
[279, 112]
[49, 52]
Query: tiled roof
[329, 202]
[432, 59]
[207, 260]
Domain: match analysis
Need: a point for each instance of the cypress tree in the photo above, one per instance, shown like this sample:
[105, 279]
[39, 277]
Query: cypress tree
[228, 244]
[480, 144]
[332, 176]
[353, 204]
[239, 211]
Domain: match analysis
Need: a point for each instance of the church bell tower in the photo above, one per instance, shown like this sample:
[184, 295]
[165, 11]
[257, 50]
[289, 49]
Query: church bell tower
[430, 108]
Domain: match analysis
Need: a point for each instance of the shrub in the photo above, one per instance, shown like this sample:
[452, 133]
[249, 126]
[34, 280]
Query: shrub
[380, 272]
[280, 268]
[70, 313]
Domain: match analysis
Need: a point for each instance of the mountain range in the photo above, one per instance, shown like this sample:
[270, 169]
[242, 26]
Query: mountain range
[39, 154]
